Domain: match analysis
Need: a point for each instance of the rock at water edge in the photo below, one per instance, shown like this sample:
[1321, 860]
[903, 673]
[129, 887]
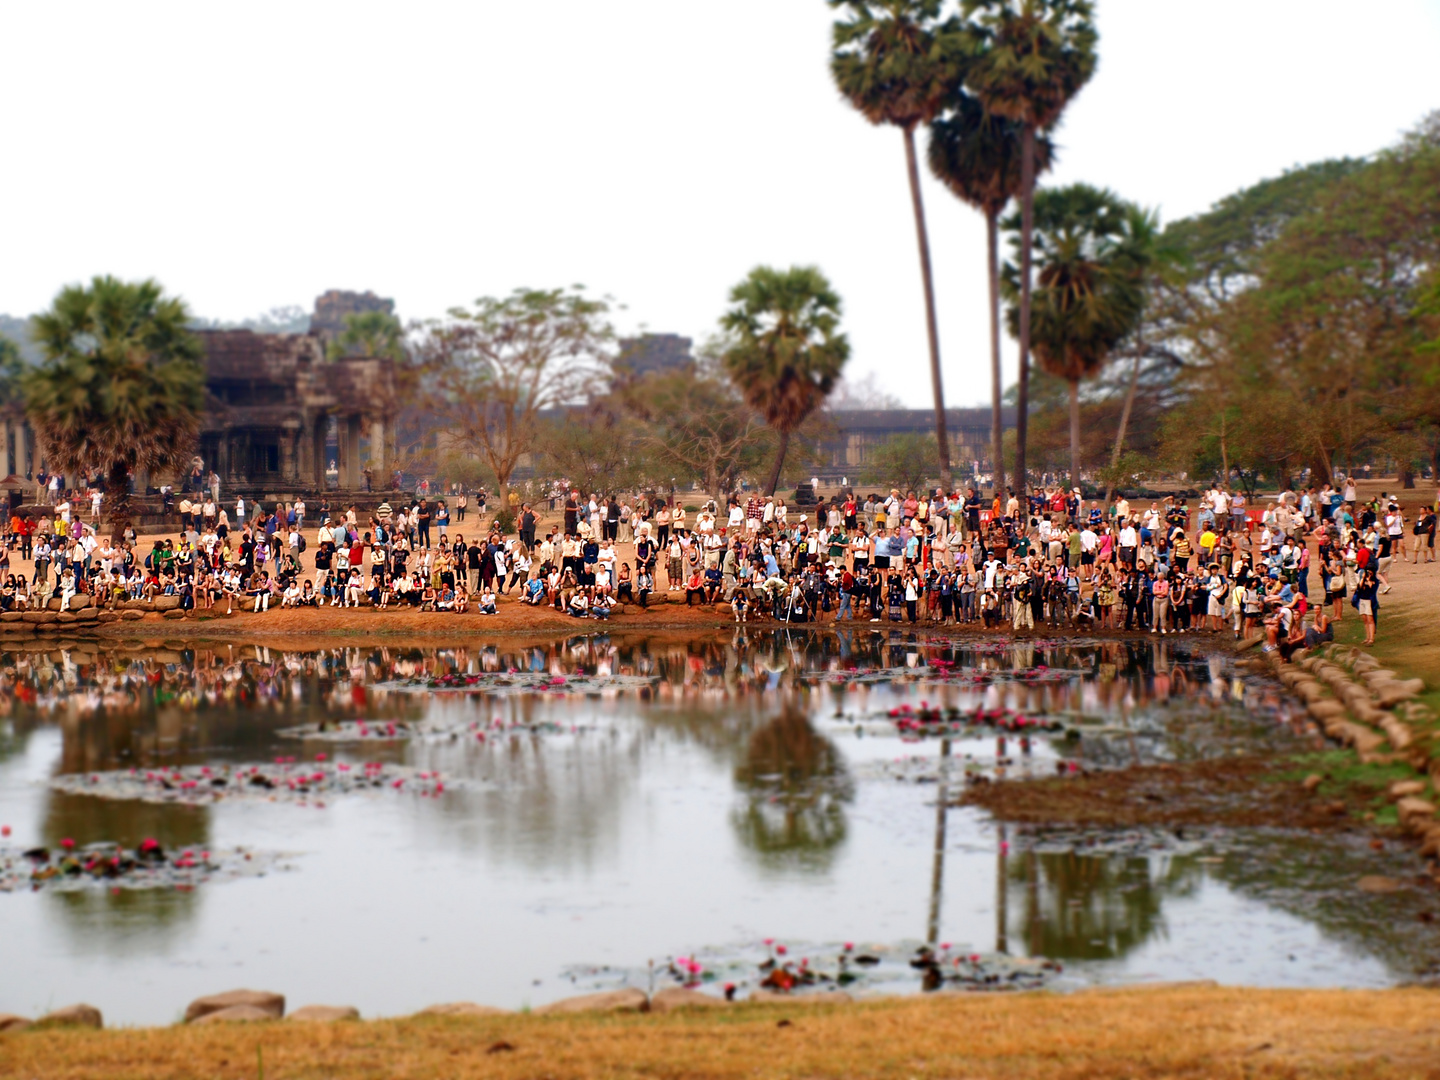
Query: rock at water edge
[609, 1001]
[273, 1004]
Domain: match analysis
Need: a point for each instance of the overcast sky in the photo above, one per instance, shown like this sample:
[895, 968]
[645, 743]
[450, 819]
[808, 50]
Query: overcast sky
[250, 156]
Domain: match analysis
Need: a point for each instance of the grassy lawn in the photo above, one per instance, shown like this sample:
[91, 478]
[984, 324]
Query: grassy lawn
[1181, 1031]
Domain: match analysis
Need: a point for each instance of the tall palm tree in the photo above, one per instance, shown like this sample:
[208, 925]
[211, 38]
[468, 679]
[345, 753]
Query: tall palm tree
[786, 349]
[1089, 291]
[121, 385]
[370, 333]
[896, 61]
[1030, 58]
[976, 154]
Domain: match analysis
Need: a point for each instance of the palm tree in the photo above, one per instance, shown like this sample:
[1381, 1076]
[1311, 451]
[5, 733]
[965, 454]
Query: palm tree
[1030, 58]
[976, 155]
[370, 333]
[786, 350]
[1089, 291]
[896, 61]
[121, 385]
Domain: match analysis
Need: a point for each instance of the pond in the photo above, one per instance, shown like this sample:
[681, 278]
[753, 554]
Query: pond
[515, 820]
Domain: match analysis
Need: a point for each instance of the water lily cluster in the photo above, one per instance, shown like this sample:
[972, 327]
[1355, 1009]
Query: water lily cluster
[68, 867]
[284, 780]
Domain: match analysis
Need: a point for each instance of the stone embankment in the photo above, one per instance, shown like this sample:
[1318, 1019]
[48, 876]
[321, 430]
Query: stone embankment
[250, 1006]
[1377, 713]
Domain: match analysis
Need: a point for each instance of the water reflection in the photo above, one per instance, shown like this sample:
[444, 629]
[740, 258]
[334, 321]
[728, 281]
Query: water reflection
[734, 784]
[1068, 906]
[795, 785]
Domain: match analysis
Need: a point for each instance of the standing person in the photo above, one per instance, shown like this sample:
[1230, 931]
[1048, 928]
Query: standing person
[1425, 522]
[527, 525]
[423, 517]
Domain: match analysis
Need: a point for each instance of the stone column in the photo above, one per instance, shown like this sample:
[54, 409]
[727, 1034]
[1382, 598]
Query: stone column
[5, 428]
[351, 452]
[22, 449]
[378, 456]
[289, 437]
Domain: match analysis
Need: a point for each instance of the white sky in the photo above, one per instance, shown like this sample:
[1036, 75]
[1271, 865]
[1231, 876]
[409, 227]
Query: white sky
[253, 155]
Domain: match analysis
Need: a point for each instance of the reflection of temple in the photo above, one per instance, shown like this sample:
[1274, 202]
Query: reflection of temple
[272, 401]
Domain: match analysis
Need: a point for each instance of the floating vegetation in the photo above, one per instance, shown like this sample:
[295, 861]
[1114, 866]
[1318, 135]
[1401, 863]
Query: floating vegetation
[523, 682]
[930, 719]
[111, 866]
[350, 731]
[283, 781]
[774, 967]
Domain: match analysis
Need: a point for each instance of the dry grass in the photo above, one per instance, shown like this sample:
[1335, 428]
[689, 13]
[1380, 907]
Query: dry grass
[1182, 1031]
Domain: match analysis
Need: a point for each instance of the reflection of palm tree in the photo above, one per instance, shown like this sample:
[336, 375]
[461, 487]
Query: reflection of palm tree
[796, 785]
[1078, 907]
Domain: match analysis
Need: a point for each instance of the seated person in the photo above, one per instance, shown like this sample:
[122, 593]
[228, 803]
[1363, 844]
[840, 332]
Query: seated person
[1321, 632]
[600, 607]
[307, 595]
[694, 588]
[624, 588]
[579, 605]
[740, 606]
[712, 584]
[487, 601]
[462, 598]
[291, 596]
[645, 585]
[533, 592]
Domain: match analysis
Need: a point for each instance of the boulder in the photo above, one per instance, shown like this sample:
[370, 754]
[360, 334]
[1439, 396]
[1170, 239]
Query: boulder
[824, 997]
[235, 1014]
[12, 616]
[1431, 845]
[462, 1008]
[174, 613]
[324, 1014]
[11, 1022]
[166, 603]
[40, 617]
[1313, 781]
[72, 1016]
[1390, 694]
[609, 1001]
[1399, 735]
[1325, 709]
[273, 1004]
[1401, 788]
[108, 616]
[1415, 813]
[130, 613]
[677, 997]
[66, 617]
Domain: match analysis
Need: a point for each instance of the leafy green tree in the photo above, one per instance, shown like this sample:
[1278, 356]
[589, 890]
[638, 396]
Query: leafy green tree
[370, 333]
[693, 424]
[12, 368]
[594, 448]
[121, 386]
[896, 61]
[1089, 293]
[1031, 57]
[902, 461]
[786, 348]
[976, 154]
[489, 372]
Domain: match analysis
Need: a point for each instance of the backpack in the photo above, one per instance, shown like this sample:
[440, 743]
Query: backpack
[300, 546]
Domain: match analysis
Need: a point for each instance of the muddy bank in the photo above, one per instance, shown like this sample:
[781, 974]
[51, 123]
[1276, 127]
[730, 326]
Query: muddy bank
[1236, 792]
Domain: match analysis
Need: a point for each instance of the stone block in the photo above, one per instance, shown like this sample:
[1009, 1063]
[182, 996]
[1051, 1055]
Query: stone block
[462, 1008]
[608, 1001]
[72, 1016]
[677, 997]
[274, 1004]
[324, 1014]
[166, 603]
[235, 1014]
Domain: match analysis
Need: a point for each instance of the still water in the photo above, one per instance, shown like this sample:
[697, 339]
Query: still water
[572, 810]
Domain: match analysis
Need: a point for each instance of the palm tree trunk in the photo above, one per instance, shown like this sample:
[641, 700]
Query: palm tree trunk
[932, 326]
[779, 461]
[997, 437]
[1124, 423]
[1074, 433]
[1027, 230]
[117, 497]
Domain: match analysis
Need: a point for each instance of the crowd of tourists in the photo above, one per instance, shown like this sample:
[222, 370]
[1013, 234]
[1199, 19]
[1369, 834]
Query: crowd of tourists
[1049, 560]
